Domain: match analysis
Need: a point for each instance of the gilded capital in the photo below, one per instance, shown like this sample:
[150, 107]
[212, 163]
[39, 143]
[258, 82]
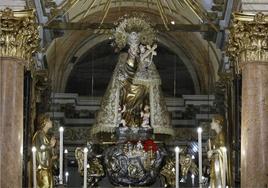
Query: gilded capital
[248, 39]
[19, 35]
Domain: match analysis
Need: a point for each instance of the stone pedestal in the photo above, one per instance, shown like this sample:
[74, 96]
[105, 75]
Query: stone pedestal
[11, 127]
[254, 130]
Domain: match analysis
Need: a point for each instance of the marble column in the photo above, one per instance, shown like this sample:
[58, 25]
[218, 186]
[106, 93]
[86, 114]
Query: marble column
[254, 132]
[18, 41]
[248, 50]
[11, 87]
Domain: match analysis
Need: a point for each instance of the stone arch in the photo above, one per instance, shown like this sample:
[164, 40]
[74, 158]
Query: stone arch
[93, 41]
[73, 41]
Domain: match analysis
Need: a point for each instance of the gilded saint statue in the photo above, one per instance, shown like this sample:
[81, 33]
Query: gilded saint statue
[134, 96]
[45, 156]
[168, 172]
[95, 171]
[187, 165]
[133, 99]
[133, 108]
[217, 154]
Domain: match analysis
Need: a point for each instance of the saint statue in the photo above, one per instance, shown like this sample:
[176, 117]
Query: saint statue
[217, 154]
[45, 156]
[187, 165]
[133, 98]
[95, 170]
[168, 173]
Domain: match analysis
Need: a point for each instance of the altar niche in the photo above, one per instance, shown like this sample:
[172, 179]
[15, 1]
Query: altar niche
[133, 113]
[133, 103]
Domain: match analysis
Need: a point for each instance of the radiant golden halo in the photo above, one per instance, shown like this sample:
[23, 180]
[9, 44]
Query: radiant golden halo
[134, 24]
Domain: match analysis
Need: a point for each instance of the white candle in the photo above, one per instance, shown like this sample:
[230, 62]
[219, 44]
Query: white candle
[66, 177]
[65, 165]
[199, 131]
[85, 167]
[34, 166]
[66, 151]
[61, 129]
[192, 176]
[177, 151]
[209, 144]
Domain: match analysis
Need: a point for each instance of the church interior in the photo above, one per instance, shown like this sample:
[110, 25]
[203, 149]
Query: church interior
[133, 93]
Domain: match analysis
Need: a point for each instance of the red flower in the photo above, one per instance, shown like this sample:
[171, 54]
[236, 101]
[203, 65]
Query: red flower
[150, 145]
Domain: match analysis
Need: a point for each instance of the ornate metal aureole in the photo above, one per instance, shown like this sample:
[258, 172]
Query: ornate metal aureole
[248, 39]
[140, 26]
[19, 35]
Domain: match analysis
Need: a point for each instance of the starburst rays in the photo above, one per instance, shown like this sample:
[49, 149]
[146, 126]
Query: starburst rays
[164, 7]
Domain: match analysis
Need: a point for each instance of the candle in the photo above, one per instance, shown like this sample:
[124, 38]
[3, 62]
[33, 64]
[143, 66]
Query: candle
[85, 167]
[177, 151]
[66, 165]
[192, 176]
[66, 177]
[209, 144]
[199, 131]
[61, 129]
[34, 166]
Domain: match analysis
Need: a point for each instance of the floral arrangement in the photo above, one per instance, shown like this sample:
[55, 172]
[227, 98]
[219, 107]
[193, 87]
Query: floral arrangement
[150, 145]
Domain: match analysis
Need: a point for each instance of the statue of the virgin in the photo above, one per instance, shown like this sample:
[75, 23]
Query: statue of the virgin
[134, 98]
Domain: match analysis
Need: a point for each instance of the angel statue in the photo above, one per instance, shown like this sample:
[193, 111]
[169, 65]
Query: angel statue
[45, 156]
[95, 170]
[187, 164]
[217, 154]
[79, 155]
[168, 173]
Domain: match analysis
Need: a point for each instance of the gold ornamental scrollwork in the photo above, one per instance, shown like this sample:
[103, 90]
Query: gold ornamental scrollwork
[248, 39]
[19, 35]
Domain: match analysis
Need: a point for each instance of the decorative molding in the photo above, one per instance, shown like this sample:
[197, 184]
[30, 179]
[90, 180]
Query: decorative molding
[19, 35]
[73, 134]
[248, 39]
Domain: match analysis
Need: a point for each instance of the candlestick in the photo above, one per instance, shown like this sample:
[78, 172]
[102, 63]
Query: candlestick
[177, 151]
[34, 167]
[199, 131]
[85, 167]
[61, 129]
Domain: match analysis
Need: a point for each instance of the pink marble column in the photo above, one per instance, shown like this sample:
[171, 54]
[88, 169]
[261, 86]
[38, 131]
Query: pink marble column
[254, 130]
[19, 41]
[247, 49]
[11, 126]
